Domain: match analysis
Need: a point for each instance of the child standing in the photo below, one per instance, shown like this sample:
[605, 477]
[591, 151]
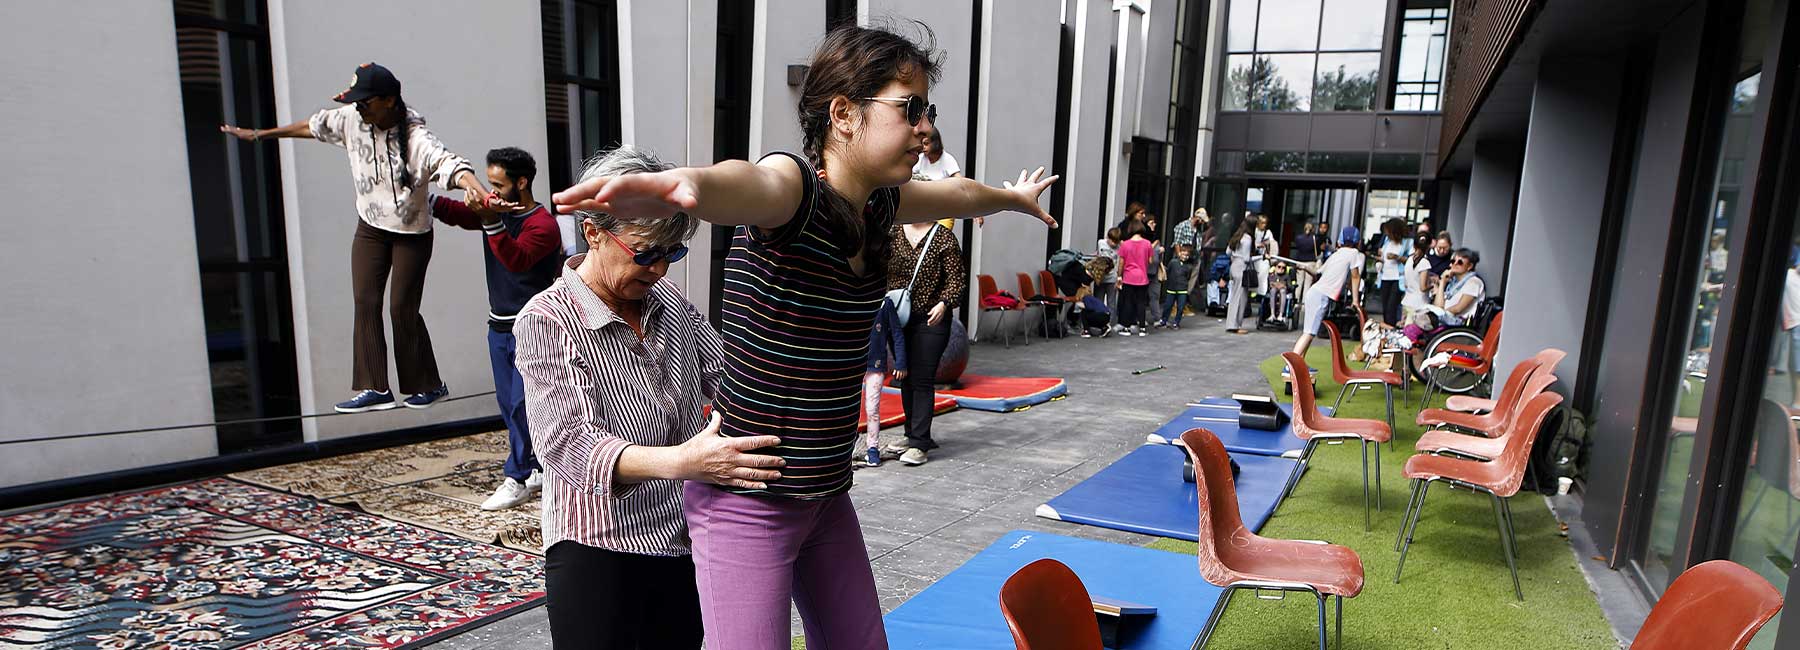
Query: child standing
[887, 353]
[1175, 290]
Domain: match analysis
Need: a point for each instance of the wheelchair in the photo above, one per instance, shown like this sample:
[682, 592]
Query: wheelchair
[1454, 379]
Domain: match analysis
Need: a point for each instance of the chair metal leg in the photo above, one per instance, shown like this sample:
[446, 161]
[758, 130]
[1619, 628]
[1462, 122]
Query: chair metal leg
[1338, 405]
[1411, 502]
[1390, 414]
[1293, 481]
[1322, 599]
[1378, 476]
[1506, 546]
[1411, 526]
[1339, 641]
[1213, 619]
[1512, 532]
[1365, 469]
[1025, 331]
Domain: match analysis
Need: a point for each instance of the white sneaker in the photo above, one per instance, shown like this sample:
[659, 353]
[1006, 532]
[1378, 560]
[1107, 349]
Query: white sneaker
[894, 450]
[534, 481]
[1142, 332]
[914, 456]
[510, 494]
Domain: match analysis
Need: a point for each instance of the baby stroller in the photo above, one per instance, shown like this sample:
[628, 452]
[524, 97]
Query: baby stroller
[1279, 304]
[1217, 278]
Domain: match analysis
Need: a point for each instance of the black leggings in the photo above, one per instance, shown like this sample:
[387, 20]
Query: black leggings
[620, 601]
[924, 349]
[1134, 304]
[1390, 301]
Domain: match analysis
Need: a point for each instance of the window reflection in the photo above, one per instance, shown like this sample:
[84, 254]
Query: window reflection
[1419, 77]
[1239, 80]
[1346, 82]
[1281, 82]
[1352, 25]
[1287, 26]
[1240, 26]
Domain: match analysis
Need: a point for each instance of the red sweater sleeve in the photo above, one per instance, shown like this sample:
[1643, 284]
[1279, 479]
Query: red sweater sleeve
[455, 213]
[538, 237]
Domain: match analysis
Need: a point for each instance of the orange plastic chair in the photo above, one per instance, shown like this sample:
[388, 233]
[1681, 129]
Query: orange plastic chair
[1499, 479]
[1234, 558]
[1347, 378]
[1047, 608]
[1512, 395]
[1479, 447]
[1026, 292]
[985, 285]
[1481, 405]
[1047, 283]
[1718, 604]
[1314, 428]
[1484, 355]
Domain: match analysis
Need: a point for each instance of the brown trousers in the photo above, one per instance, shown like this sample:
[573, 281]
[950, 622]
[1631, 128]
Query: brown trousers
[374, 253]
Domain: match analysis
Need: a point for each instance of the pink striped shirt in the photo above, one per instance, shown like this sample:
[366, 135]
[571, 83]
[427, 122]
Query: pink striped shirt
[592, 388]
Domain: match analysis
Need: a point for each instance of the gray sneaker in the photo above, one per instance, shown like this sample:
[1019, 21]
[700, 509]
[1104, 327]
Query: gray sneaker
[913, 456]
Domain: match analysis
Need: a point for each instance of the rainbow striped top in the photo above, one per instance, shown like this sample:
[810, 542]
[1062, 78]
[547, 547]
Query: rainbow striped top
[795, 322]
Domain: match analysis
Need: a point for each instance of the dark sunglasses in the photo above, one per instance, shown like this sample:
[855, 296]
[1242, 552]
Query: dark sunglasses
[645, 258]
[915, 108]
[1459, 262]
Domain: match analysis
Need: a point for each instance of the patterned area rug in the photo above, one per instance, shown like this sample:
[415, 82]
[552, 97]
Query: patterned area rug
[438, 484]
[217, 563]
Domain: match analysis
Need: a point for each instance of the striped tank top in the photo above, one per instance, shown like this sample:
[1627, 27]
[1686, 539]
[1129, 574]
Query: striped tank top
[795, 322]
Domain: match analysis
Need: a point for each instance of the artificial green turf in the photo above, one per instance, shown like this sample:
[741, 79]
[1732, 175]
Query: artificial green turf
[1456, 592]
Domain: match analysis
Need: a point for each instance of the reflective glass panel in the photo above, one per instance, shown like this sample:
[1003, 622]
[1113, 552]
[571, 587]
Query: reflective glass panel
[1240, 26]
[1287, 25]
[1352, 24]
[1239, 81]
[1346, 82]
[1281, 82]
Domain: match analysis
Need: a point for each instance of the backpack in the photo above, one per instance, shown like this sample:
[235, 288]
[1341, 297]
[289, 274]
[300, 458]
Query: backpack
[1560, 452]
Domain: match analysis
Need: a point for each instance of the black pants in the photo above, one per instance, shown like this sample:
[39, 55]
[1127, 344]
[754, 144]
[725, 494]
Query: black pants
[620, 601]
[1390, 301]
[924, 349]
[375, 255]
[1134, 304]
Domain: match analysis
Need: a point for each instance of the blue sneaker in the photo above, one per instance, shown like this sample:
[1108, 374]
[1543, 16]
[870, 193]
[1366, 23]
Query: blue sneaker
[427, 398]
[368, 400]
[874, 457]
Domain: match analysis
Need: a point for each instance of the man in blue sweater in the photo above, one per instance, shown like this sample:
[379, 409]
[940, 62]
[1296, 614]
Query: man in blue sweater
[523, 256]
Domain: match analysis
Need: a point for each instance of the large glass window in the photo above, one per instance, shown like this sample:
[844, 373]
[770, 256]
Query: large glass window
[1303, 55]
[226, 78]
[1662, 558]
[581, 89]
[1419, 75]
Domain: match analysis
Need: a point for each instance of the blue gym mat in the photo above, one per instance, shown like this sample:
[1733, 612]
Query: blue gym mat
[1144, 493]
[962, 610]
[1220, 415]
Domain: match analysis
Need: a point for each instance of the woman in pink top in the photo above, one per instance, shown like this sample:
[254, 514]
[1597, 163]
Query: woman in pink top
[1135, 256]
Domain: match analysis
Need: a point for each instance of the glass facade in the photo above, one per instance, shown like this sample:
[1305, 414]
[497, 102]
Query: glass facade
[1419, 74]
[1303, 55]
[581, 88]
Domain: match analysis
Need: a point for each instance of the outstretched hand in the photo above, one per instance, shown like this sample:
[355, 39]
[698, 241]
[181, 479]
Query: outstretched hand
[238, 132]
[632, 196]
[1029, 187]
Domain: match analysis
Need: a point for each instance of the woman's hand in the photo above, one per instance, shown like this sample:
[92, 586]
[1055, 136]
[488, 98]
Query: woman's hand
[711, 458]
[238, 132]
[899, 374]
[1028, 187]
[659, 195]
[936, 315]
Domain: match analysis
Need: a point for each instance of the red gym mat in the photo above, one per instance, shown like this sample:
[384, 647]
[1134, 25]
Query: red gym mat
[893, 414]
[1002, 394]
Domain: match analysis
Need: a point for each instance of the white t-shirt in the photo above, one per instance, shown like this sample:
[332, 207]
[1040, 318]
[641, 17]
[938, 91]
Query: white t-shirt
[1336, 272]
[944, 167]
[1471, 286]
[1393, 269]
[1415, 294]
[1790, 301]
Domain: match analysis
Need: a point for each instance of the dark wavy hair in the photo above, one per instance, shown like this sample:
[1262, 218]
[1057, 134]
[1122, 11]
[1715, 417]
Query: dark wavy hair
[855, 62]
[518, 163]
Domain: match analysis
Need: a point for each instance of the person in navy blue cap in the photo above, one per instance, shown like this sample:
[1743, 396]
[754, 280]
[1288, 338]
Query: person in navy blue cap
[393, 160]
[1339, 277]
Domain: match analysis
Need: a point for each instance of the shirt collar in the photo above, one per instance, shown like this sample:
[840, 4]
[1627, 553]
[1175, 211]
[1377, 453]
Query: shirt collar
[593, 311]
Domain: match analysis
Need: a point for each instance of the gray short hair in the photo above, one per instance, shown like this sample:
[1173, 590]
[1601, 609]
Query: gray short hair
[632, 159]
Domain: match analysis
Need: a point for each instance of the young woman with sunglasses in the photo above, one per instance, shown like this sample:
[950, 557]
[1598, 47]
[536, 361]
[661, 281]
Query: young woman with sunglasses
[806, 273]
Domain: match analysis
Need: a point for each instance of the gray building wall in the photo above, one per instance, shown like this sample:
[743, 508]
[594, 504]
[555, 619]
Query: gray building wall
[105, 329]
[1562, 194]
[1128, 67]
[666, 73]
[1083, 183]
[786, 33]
[1487, 221]
[1017, 109]
[1459, 207]
[314, 49]
[1154, 88]
[952, 25]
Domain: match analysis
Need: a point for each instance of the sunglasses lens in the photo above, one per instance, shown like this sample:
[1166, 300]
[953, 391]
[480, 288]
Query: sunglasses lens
[915, 108]
[931, 113]
[676, 254]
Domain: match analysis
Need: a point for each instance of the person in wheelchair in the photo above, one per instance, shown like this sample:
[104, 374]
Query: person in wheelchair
[1455, 296]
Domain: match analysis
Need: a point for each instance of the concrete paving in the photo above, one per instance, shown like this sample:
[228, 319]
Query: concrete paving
[994, 469]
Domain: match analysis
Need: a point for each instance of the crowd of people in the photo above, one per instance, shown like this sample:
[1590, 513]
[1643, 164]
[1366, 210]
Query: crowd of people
[695, 479]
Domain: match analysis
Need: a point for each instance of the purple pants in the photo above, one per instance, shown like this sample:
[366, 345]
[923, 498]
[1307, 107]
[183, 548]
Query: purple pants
[752, 554]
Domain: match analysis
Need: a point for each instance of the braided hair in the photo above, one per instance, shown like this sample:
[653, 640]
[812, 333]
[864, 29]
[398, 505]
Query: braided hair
[405, 131]
[856, 62]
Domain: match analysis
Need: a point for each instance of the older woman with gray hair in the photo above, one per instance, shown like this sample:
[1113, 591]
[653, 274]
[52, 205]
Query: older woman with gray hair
[618, 367]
